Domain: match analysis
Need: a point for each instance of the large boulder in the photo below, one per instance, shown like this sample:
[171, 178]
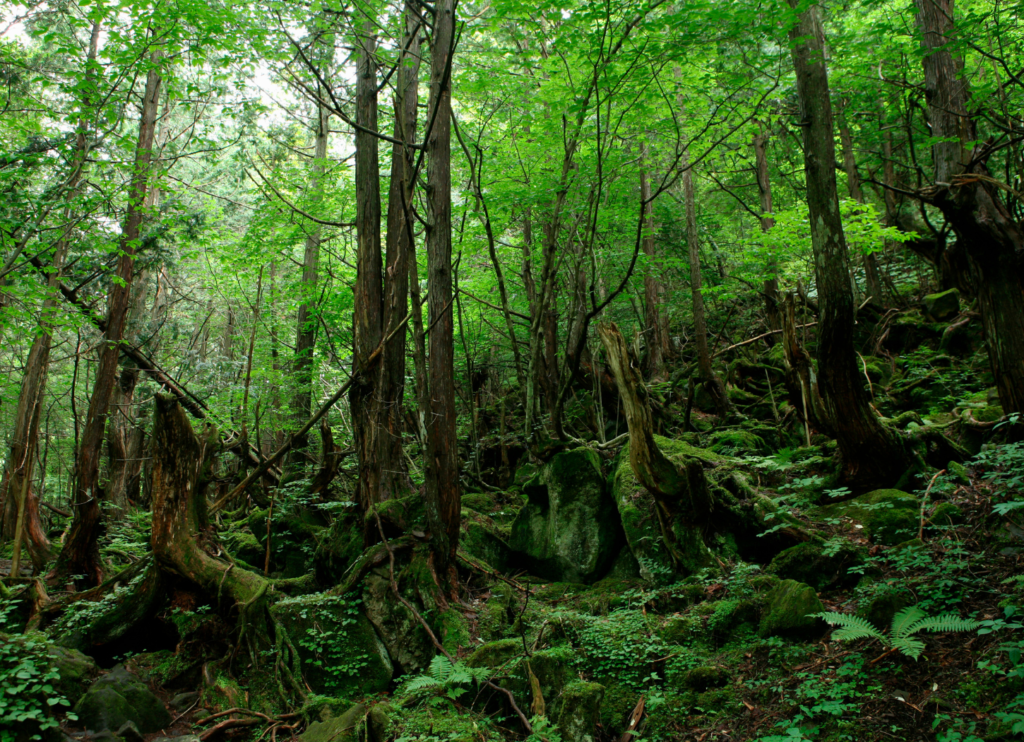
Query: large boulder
[336, 728]
[569, 530]
[639, 517]
[342, 654]
[788, 612]
[943, 305]
[818, 564]
[118, 698]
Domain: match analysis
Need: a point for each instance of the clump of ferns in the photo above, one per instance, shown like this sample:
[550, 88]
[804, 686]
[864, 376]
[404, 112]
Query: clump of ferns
[901, 637]
[444, 682]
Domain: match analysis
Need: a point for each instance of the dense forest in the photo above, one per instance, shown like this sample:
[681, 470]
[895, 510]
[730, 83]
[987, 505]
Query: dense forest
[470, 371]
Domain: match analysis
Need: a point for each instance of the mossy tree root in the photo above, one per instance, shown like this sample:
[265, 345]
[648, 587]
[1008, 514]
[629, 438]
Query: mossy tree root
[184, 543]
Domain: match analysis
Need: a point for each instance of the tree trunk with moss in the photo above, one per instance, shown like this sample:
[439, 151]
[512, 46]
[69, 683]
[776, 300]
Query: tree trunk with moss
[871, 454]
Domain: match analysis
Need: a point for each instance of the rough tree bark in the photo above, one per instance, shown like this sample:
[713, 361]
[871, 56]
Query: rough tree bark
[398, 259]
[364, 398]
[80, 555]
[444, 495]
[871, 454]
[969, 198]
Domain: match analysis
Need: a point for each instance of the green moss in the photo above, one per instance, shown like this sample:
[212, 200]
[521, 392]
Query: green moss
[721, 618]
[454, 630]
[818, 565]
[943, 305]
[881, 608]
[496, 615]
[567, 531]
[616, 704]
[959, 472]
[341, 728]
[988, 414]
[787, 612]
[496, 654]
[888, 516]
[740, 441]
[437, 724]
[946, 514]
[580, 711]
[701, 679]
[341, 652]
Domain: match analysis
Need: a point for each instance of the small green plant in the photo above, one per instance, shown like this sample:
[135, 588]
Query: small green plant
[444, 682]
[905, 624]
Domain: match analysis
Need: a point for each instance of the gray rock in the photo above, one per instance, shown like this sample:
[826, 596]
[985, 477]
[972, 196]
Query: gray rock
[129, 732]
[569, 528]
[336, 729]
[117, 698]
[183, 700]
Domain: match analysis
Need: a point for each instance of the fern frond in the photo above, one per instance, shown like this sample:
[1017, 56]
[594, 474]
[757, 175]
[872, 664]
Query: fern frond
[904, 620]
[441, 668]
[421, 683]
[851, 627]
[946, 622]
[909, 646]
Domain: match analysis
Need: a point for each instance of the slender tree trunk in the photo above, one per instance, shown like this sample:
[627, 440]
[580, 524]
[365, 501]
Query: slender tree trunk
[395, 475]
[871, 454]
[306, 327]
[444, 495]
[992, 238]
[653, 291]
[705, 370]
[764, 190]
[80, 555]
[364, 399]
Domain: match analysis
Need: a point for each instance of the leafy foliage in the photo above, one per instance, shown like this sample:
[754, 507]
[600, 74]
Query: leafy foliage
[905, 625]
[444, 682]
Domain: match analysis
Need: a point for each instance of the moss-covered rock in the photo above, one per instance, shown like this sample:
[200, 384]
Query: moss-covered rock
[788, 609]
[738, 441]
[567, 531]
[339, 546]
[943, 305]
[342, 654]
[343, 728]
[946, 514]
[483, 540]
[887, 516]
[818, 564]
[882, 606]
[639, 517]
[580, 711]
[404, 638]
[496, 653]
[720, 619]
[117, 698]
[293, 533]
[704, 678]
[77, 671]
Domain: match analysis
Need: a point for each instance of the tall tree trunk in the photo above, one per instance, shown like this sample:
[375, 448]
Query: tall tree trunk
[19, 504]
[764, 190]
[991, 237]
[306, 326]
[444, 495]
[872, 280]
[80, 556]
[871, 454]
[398, 256]
[657, 343]
[705, 370]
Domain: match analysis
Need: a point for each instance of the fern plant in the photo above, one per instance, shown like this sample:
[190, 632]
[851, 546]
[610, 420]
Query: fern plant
[444, 682]
[905, 625]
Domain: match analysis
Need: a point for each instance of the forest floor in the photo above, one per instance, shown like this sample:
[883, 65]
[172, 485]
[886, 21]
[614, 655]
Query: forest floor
[728, 652]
